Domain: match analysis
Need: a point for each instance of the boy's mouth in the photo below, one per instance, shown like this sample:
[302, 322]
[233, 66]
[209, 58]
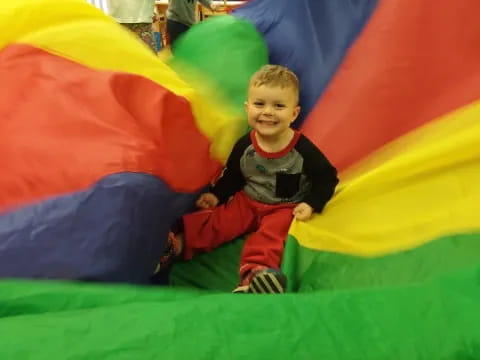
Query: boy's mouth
[267, 122]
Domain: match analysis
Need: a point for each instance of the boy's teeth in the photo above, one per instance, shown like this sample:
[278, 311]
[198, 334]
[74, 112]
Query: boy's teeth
[267, 121]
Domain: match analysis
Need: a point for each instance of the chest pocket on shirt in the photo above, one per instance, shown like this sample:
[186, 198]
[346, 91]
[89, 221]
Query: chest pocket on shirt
[287, 185]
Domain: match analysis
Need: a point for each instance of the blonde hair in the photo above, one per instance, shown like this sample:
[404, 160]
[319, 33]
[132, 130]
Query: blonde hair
[275, 75]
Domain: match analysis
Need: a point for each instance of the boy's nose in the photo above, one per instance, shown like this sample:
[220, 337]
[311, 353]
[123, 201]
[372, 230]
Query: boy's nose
[267, 110]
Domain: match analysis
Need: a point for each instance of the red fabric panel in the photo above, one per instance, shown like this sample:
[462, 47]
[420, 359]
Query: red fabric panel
[63, 126]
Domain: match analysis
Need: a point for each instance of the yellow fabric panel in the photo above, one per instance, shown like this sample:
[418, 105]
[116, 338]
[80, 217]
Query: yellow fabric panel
[421, 187]
[78, 31]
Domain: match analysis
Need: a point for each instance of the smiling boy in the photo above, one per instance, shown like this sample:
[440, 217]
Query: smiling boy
[273, 174]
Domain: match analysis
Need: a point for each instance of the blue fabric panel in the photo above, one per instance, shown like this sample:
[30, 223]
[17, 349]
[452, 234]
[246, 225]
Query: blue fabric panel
[310, 37]
[115, 231]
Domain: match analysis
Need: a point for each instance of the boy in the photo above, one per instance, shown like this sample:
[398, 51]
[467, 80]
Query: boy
[273, 174]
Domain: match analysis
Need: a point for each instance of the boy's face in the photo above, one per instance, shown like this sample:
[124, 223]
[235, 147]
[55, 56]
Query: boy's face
[271, 109]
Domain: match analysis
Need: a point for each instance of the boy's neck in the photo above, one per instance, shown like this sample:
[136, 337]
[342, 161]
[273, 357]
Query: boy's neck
[274, 144]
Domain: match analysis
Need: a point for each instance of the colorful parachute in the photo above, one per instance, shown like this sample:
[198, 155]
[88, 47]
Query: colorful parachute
[103, 146]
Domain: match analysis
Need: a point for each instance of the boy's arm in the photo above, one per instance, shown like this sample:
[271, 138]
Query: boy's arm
[321, 172]
[231, 180]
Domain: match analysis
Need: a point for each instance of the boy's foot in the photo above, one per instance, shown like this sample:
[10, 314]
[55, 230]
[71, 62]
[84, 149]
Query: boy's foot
[268, 281]
[172, 250]
[263, 280]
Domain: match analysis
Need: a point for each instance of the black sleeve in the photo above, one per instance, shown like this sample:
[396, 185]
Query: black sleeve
[321, 172]
[232, 180]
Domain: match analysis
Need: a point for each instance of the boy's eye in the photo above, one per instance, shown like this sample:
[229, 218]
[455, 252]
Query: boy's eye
[258, 103]
[280, 106]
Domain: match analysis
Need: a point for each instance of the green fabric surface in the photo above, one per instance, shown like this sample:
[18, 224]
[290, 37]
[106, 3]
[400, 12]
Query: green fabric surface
[216, 271]
[310, 270]
[434, 319]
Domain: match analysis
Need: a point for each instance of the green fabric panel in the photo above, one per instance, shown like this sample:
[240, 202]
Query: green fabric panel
[310, 270]
[323, 270]
[217, 270]
[242, 49]
[436, 319]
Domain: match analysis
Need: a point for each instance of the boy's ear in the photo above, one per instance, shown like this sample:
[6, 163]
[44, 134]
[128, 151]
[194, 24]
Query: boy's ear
[296, 112]
[245, 105]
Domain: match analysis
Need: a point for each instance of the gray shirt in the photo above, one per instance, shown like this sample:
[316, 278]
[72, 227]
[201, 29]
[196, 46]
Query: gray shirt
[183, 11]
[299, 173]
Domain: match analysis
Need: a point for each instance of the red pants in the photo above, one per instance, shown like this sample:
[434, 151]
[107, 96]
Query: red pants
[208, 229]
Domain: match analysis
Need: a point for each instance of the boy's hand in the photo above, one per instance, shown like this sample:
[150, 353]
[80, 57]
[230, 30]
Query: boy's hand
[207, 201]
[303, 211]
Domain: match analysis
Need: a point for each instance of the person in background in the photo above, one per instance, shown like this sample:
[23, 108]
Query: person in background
[181, 15]
[135, 15]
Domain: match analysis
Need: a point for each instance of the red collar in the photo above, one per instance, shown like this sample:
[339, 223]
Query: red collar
[278, 154]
